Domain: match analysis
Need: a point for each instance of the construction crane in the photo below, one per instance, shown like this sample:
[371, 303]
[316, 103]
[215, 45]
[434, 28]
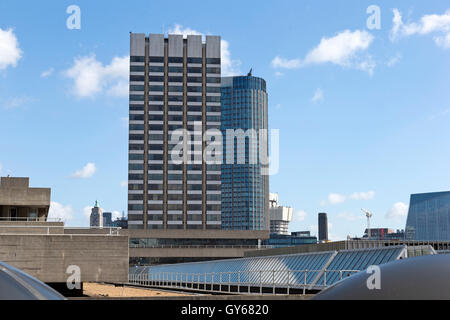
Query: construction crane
[368, 215]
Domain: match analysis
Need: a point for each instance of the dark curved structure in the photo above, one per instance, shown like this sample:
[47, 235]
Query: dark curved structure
[17, 285]
[425, 277]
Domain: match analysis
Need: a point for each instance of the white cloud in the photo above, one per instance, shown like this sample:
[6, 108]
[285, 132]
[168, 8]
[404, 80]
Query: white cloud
[396, 24]
[394, 60]
[115, 215]
[279, 62]
[16, 102]
[87, 212]
[91, 77]
[86, 172]
[429, 23]
[124, 183]
[10, 53]
[59, 211]
[398, 211]
[349, 216]
[299, 215]
[343, 49]
[279, 74]
[340, 49]
[178, 29]
[229, 66]
[363, 195]
[336, 198]
[318, 96]
[47, 73]
[440, 114]
[443, 41]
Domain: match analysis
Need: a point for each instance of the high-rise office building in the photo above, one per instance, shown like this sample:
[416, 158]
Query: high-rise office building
[96, 218]
[175, 86]
[429, 217]
[245, 189]
[323, 227]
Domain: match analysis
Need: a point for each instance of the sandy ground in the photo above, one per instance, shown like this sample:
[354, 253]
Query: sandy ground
[106, 290]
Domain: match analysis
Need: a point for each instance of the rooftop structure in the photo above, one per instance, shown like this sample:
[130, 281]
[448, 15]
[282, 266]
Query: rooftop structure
[19, 202]
[280, 216]
[323, 227]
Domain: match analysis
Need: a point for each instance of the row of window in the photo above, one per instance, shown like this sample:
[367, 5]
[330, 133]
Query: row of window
[175, 59]
[180, 118]
[140, 97]
[160, 69]
[155, 88]
[177, 108]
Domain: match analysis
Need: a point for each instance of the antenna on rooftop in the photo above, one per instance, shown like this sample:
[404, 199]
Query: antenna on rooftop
[250, 73]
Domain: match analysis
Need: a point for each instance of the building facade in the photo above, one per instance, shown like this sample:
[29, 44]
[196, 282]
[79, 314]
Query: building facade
[107, 219]
[96, 218]
[429, 217]
[323, 227]
[19, 202]
[175, 87]
[245, 189]
[290, 240]
[280, 216]
[384, 234]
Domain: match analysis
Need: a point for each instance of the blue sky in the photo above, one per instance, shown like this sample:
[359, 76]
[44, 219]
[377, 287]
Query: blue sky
[363, 113]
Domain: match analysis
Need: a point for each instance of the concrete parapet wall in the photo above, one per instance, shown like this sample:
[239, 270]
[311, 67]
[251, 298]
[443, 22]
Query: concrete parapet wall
[46, 257]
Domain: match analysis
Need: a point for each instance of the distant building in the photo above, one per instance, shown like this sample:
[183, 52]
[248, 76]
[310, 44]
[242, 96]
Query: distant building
[19, 202]
[279, 216]
[384, 234]
[290, 240]
[120, 223]
[323, 227]
[302, 234]
[96, 220]
[429, 217]
[107, 219]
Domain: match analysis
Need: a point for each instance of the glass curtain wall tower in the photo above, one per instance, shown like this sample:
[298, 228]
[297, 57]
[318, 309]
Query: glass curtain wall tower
[429, 217]
[175, 84]
[245, 190]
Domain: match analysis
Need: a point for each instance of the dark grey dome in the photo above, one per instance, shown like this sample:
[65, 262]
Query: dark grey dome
[17, 285]
[424, 277]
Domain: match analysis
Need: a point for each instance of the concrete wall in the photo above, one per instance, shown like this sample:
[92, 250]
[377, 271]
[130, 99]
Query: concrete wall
[100, 258]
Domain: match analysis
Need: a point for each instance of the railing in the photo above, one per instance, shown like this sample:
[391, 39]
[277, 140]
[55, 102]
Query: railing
[243, 282]
[139, 246]
[30, 219]
[110, 230]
